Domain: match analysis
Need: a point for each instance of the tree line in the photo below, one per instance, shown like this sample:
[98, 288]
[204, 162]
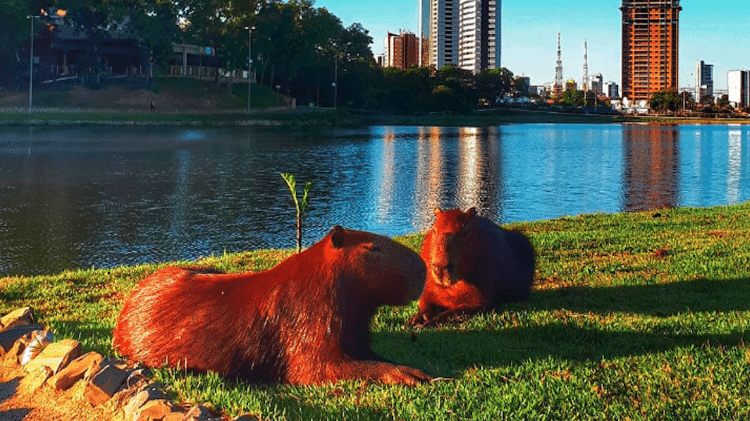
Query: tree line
[303, 49]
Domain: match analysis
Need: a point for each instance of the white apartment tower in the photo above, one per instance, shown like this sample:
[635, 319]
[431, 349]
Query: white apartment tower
[738, 88]
[465, 33]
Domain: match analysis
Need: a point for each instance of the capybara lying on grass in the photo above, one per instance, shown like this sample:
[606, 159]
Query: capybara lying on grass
[472, 265]
[305, 321]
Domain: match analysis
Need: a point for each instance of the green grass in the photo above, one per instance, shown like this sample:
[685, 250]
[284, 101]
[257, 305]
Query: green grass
[635, 316]
[492, 117]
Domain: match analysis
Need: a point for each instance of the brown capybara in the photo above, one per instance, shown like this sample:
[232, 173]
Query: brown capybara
[472, 265]
[304, 321]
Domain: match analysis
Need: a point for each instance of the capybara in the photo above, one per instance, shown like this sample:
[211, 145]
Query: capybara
[472, 265]
[304, 321]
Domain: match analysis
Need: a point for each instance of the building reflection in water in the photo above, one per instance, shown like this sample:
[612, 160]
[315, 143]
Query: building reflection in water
[651, 158]
[456, 168]
[387, 194]
[734, 166]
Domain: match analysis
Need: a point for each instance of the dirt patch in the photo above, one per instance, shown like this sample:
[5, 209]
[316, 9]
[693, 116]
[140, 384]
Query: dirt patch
[18, 402]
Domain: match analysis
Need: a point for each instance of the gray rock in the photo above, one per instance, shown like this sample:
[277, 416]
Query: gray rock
[104, 384]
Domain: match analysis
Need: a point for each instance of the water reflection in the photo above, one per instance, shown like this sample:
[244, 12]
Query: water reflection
[735, 165]
[105, 197]
[651, 156]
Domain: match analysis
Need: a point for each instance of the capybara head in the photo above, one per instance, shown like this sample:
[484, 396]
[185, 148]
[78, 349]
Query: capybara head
[446, 249]
[373, 259]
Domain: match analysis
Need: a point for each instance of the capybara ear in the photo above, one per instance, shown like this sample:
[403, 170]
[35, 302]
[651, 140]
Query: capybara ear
[437, 211]
[467, 218]
[337, 236]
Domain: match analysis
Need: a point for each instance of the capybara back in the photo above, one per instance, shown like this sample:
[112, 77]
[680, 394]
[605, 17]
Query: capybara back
[305, 321]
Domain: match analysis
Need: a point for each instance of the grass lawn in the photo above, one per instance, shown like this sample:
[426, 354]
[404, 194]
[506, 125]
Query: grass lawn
[633, 316]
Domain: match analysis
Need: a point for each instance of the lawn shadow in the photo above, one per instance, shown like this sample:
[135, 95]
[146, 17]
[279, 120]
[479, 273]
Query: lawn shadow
[579, 335]
[699, 295]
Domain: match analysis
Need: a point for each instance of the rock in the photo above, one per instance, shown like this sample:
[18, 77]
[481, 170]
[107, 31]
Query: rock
[13, 357]
[136, 402]
[198, 413]
[155, 410]
[74, 371]
[56, 355]
[35, 379]
[21, 317]
[104, 384]
[39, 340]
[175, 416]
[10, 336]
[246, 418]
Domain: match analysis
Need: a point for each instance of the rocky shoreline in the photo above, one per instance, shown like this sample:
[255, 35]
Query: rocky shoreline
[41, 379]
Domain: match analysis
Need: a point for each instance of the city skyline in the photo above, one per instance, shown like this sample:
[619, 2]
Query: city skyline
[710, 30]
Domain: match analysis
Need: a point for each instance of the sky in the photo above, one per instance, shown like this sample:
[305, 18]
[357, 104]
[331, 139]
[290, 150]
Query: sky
[715, 31]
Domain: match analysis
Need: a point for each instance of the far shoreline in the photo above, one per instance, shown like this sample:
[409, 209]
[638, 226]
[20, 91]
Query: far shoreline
[325, 117]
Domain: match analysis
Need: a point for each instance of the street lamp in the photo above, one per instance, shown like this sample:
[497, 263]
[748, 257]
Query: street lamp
[31, 55]
[335, 81]
[31, 62]
[249, 64]
[278, 95]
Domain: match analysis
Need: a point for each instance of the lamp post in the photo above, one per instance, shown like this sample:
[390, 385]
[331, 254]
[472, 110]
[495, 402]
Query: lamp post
[278, 95]
[335, 81]
[249, 64]
[31, 55]
[31, 62]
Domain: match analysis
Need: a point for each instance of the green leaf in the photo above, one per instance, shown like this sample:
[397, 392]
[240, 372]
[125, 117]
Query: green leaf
[305, 200]
[292, 183]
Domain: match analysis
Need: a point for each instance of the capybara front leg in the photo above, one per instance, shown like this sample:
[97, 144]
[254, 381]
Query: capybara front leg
[382, 372]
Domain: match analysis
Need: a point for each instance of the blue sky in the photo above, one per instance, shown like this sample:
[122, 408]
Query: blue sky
[716, 31]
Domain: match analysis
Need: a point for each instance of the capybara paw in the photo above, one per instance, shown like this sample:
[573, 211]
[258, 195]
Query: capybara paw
[408, 376]
[421, 319]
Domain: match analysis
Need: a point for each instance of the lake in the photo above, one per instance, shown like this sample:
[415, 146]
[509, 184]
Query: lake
[109, 196]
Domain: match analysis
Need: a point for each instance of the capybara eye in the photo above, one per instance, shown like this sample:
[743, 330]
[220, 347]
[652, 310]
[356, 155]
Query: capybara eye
[449, 268]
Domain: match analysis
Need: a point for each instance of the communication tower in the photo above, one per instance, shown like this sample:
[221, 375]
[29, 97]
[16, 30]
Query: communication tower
[558, 88]
[585, 81]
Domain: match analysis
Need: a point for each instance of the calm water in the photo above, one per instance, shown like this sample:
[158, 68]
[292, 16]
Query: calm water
[103, 197]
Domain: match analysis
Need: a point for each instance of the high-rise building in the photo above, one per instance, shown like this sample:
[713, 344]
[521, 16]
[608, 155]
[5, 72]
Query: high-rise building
[479, 35]
[401, 50]
[424, 32]
[704, 80]
[465, 33]
[597, 83]
[650, 35]
[738, 88]
[612, 89]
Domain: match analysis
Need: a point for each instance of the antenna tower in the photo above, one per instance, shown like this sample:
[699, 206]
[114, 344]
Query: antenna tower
[585, 81]
[557, 89]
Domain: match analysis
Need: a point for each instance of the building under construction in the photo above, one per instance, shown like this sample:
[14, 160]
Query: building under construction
[650, 35]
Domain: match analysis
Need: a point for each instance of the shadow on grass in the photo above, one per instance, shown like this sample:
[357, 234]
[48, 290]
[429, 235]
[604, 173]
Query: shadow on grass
[8, 389]
[580, 334]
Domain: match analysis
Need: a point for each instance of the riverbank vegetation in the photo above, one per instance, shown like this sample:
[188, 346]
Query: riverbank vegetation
[632, 316]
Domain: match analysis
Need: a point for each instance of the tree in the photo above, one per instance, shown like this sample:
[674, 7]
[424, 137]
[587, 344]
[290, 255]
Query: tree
[573, 98]
[494, 83]
[664, 101]
[153, 24]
